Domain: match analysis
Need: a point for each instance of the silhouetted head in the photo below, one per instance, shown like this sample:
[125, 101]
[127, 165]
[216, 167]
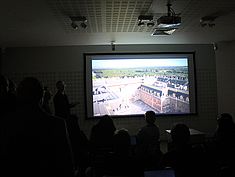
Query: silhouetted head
[225, 121]
[4, 85]
[180, 134]
[60, 85]
[30, 90]
[106, 122]
[121, 141]
[150, 117]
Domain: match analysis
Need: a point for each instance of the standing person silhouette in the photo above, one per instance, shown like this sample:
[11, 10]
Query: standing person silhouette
[148, 144]
[4, 102]
[46, 100]
[77, 137]
[61, 101]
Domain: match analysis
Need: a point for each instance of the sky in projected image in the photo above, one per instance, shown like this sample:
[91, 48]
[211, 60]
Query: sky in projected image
[135, 63]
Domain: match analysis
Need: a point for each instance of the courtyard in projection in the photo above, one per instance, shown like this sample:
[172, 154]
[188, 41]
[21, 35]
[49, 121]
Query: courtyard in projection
[134, 86]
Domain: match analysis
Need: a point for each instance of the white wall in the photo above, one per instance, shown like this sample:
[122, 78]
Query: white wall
[50, 64]
[225, 66]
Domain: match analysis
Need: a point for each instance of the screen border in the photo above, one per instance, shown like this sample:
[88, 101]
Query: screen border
[85, 55]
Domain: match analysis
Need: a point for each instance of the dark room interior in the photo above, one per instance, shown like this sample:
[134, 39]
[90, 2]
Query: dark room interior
[62, 40]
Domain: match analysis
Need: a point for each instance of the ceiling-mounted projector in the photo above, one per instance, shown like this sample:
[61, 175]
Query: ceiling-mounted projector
[169, 22]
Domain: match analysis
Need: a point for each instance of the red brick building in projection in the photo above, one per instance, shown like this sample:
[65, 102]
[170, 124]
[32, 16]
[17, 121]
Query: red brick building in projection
[165, 99]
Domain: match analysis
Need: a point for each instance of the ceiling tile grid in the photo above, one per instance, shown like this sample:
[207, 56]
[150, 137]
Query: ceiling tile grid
[196, 9]
[102, 16]
[91, 9]
[122, 16]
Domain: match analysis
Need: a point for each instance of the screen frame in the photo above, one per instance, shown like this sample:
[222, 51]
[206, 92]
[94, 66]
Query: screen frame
[88, 81]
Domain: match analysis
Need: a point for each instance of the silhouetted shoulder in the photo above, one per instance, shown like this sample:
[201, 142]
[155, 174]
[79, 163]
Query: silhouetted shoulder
[38, 138]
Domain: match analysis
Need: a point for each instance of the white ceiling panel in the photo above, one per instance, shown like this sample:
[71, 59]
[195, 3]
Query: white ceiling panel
[47, 22]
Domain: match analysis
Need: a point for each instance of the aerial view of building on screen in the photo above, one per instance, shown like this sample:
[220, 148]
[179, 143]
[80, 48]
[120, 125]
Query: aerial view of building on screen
[133, 86]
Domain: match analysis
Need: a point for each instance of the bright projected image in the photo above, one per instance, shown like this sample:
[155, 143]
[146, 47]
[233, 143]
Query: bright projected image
[131, 86]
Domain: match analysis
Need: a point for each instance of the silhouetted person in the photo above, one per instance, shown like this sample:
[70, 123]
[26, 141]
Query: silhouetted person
[185, 160]
[4, 85]
[79, 143]
[3, 109]
[34, 143]
[225, 141]
[4, 101]
[61, 101]
[148, 145]
[12, 87]
[121, 143]
[11, 95]
[102, 133]
[120, 161]
[101, 143]
[46, 100]
[225, 133]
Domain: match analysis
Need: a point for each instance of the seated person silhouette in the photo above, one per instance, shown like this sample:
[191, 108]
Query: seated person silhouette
[102, 134]
[225, 131]
[147, 143]
[101, 143]
[120, 162]
[183, 158]
[34, 143]
[225, 141]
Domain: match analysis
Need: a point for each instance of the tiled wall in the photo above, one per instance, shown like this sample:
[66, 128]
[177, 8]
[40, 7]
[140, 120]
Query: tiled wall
[75, 91]
[72, 72]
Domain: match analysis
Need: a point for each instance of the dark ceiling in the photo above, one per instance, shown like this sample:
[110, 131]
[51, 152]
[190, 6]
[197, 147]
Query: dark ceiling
[47, 22]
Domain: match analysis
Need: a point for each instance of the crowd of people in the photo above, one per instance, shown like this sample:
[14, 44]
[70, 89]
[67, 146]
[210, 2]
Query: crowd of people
[36, 142]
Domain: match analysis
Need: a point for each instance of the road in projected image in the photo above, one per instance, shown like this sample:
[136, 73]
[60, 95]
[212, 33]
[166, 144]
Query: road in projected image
[129, 87]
